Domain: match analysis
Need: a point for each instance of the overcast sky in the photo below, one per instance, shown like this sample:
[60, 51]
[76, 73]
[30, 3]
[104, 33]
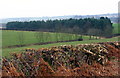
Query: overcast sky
[39, 8]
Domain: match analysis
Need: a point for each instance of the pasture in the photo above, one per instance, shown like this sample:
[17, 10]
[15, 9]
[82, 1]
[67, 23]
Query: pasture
[6, 52]
[116, 28]
[11, 37]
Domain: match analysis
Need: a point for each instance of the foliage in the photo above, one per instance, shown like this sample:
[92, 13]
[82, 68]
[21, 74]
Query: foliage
[79, 26]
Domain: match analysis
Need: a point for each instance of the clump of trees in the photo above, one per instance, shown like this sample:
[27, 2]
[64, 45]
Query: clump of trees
[86, 26]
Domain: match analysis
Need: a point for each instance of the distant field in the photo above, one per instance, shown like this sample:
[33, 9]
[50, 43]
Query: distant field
[116, 28]
[11, 37]
[6, 52]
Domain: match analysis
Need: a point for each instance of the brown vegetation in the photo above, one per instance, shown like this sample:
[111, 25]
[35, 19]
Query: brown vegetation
[100, 59]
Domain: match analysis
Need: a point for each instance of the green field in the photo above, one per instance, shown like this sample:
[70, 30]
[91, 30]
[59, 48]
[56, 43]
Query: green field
[11, 37]
[6, 52]
[116, 29]
[0, 38]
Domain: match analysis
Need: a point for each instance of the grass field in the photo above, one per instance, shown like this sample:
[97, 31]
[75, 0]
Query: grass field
[116, 28]
[11, 37]
[0, 39]
[6, 52]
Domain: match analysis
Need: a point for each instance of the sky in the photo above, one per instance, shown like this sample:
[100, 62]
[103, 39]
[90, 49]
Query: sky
[42, 8]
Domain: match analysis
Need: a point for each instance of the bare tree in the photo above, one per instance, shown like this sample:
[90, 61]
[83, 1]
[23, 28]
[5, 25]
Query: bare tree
[94, 32]
[39, 36]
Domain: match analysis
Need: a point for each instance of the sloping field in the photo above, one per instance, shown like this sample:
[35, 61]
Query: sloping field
[116, 29]
[11, 37]
[6, 51]
[100, 59]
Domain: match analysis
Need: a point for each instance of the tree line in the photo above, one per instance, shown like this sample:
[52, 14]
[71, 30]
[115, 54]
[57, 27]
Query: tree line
[86, 26]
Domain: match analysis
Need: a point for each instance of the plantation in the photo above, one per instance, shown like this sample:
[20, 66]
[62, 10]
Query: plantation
[11, 37]
[90, 26]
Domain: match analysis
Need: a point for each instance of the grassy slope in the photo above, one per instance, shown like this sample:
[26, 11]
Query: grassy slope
[10, 50]
[11, 37]
[116, 28]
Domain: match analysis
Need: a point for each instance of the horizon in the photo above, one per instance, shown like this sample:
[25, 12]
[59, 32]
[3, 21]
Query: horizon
[46, 8]
[59, 16]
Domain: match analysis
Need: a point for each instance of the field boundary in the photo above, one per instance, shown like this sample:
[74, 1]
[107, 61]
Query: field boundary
[43, 43]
